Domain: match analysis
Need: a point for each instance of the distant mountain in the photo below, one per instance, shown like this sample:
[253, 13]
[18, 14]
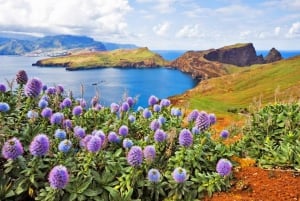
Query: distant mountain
[55, 45]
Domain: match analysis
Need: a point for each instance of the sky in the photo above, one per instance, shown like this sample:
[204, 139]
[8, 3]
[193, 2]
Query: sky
[160, 24]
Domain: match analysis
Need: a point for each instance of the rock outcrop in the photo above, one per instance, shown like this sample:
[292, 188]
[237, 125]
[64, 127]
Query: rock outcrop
[273, 55]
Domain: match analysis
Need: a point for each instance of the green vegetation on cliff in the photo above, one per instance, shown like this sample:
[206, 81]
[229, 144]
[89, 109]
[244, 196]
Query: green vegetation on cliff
[140, 57]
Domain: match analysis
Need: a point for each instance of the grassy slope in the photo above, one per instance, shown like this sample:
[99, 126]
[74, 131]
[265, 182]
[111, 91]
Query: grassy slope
[240, 89]
[111, 58]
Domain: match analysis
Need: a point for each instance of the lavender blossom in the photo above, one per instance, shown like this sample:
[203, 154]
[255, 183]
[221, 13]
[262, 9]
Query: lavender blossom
[65, 146]
[131, 118]
[31, 114]
[179, 175]
[33, 87]
[176, 112]
[125, 107]
[12, 149]
[2, 88]
[67, 123]
[193, 116]
[156, 108]
[21, 77]
[149, 153]
[165, 102]
[114, 108]
[60, 134]
[4, 107]
[79, 132]
[40, 145]
[113, 137]
[154, 175]
[59, 89]
[127, 143]
[185, 138]
[224, 167]
[202, 121]
[147, 113]
[94, 144]
[224, 134]
[212, 118]
[43, 103]
[56, 118]
[46, 112]
[160, 135]
[123, 130]
[135, 156]
[58, 177]
[51, 91]
[77, 110]
[130, 101]
[67, 102]
[155, 124]
[152, 100]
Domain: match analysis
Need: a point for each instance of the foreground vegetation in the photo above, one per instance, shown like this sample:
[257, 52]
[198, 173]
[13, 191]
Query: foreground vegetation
[56, 147]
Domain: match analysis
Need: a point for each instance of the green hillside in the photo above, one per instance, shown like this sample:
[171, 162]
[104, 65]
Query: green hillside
[140, 57]
[258, 84]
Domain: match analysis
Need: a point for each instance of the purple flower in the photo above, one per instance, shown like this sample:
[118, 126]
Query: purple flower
[224, 167]
[81, 102]
[165, 102]
[100, 134]
[193, 116]
[212, 118]
[155, 124]
[33, 87]
[202, 121]
[79, 132]
[56, 118]
[43, 103]
[94, 144]
[58, 177]
[21, 77]
[60, 134]
[130, 101]
[123, 130]
[179, 175]
[152, 100]
[125, 107]
[153, 175]
[94, 101]
[127, 143]
[162, 119]
[67, 123]
[176, 112]
[195, 130]
[224, 134]
[40, 145]
[31, 114]
[113, 137]
[77, 110]
[44, 87]
[51, 91]
[45, 97]
[160, 135]
[2, 88]
[149, 153]
[84, 141]
[114, 108]
[46, 112]
[65, 146]
[156, 108]
[131, 118]
[147, 113]
[67, 102]
[4, 107]
[135, 156]
[59, 89]
[185, 138]
[12, 149]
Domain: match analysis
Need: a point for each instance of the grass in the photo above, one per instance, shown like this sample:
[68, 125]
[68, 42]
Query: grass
[114, 58]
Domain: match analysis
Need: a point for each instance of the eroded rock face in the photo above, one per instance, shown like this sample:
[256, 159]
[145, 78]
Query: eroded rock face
[273, 55]
[239, 54]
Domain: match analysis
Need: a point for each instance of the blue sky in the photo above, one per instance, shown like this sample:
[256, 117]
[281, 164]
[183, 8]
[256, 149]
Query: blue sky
[160, 24]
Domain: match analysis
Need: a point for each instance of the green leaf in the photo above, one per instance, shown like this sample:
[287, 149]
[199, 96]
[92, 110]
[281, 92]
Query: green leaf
[113, 192]
[84, 185]
[92, 192]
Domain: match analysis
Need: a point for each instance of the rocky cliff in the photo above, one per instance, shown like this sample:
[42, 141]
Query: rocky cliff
[273, 55]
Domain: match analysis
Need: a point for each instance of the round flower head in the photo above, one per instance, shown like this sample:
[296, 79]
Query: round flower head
[127, 143]
[202, 121]
[193, 116]
[160, 135]
[176, 112]
[179, 175]
[43, 103]
[94, 144]
[195, 130]
[135, 156]
[12, 149]
[156, 108]
[65, 146]
[185, 138]
[224, 134]
[94, 101]
[79, 132]
[113, 137]
[84, 141]
[147, 113]
[131, 118]
[155, 124]
[152, 100]
[44, 87]
[40, 145]
[46, 98]
[60, 134]
[123, 130]
[224, 167]
[67, 123]
[2, 88]
[149, 152]
[4, 107]
[51, 91]
[67, 102]
[58, 177]
[31, 114]
[165, 102]
[153, 175]
[57, 118]
[77, 110]
[59, 89]
[140, 109]
[162, 119]
[46, 112]
[82, 102]
[100, 134]
[212, 118]
[125, 107]
[130, 101]
[21, 77]
[114, 108]
[33, 87]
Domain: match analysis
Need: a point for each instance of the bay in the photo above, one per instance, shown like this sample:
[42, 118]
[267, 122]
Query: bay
[111, 83]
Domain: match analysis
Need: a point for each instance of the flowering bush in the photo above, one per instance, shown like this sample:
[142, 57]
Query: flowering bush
[64, 150]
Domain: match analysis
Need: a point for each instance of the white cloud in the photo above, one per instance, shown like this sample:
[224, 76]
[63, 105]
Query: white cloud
[277, 31]
[162, 29]
[294, 31]
[189, 31]
[93, 17]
